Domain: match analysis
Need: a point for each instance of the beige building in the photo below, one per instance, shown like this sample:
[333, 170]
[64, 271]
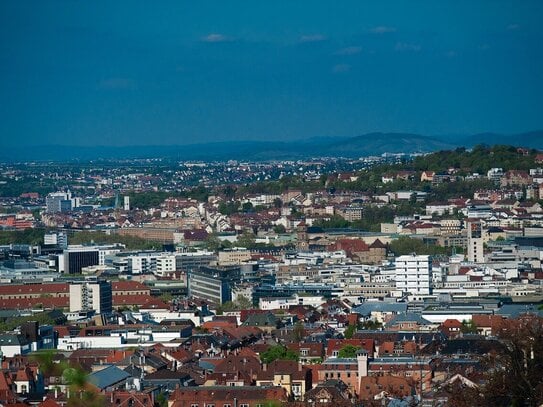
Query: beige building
[234, 257]
[88, 296]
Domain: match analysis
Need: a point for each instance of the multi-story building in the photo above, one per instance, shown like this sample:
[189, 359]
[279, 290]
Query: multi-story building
[234, 257]
[58, 239]
[86, 296]
[213, 284]
[60, 202]
[414, 274]
[74, 258]
[475, 241]
[193, 260]
[165, 265]
[126, 203]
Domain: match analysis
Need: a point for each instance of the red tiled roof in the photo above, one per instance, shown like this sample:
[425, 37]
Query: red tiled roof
[337, 344]
[128, 286]
[120, 300]
[22, 303]
[49, 403]
[47, 288]
[451, 323]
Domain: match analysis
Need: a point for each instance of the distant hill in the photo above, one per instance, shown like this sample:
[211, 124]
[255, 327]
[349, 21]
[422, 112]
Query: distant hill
[378, 143]
[351, 147]
[532, 139]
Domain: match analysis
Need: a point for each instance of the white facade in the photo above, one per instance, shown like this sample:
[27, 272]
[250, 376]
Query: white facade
[475, 242]
[90, 342]
[126, 203]
[286, 302]
[90, 297]
[56, 238]
[414, 274]
[165, 264]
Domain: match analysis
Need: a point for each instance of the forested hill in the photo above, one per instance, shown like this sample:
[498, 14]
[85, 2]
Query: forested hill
[480, 159]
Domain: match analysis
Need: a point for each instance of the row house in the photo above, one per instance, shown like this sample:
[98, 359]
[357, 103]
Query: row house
[516, 178]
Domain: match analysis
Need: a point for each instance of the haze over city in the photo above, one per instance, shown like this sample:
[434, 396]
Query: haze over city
[131, 73]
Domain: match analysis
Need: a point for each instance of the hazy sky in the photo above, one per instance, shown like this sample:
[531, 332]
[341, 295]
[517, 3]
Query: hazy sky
[118, 73]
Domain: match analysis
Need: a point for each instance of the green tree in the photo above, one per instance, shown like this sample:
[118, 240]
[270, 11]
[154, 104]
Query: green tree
[278, 352]
[350, 331]
[408, 245]
[348, 351]
[298, 332]
[213, 243]
[247, 239]
[513, 373]
[229, 208]
[162, 400]
[242, 302]
[372, 325]
[247, 206]
[468, 327]
[334, 222]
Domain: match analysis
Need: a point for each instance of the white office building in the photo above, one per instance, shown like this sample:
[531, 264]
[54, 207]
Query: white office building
[475, 242]
[91, 296]
[414, 274]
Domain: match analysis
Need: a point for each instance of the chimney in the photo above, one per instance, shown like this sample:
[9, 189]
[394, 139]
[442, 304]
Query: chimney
[264, 367]
[300, 366]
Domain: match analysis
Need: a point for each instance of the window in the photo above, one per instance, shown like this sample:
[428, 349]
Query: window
[210, 405]
[194, 405]
[244, 405]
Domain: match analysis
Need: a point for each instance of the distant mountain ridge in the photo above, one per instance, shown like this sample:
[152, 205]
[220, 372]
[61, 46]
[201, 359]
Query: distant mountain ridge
[350, 147]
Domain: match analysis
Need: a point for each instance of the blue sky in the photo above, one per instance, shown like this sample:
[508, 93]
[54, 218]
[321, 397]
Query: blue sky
[124, 73]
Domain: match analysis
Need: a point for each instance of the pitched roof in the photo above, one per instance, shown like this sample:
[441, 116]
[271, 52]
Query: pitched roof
[367, 308]
[48, 403]
[267, 319]
[107, 377]
[408, 317]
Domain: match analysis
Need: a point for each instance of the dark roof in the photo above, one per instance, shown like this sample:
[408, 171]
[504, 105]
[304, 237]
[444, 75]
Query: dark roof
[107, 377]
[267, 319]
[475, 345]
[13, 339]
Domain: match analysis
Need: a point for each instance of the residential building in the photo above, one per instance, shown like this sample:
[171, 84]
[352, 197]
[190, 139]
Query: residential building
[213, 284]
[91, 296]
[475, 241]
[414, 274]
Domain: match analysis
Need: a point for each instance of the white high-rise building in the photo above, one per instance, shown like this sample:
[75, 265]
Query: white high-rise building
[59, 239]
[126, 203]
[87, 296]
[58, 202]
[414, 274]
[165, 264]
[475, 242]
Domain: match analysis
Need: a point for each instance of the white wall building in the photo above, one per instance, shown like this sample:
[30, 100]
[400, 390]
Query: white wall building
[475, 242]
[414, 274]
[91, 296]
